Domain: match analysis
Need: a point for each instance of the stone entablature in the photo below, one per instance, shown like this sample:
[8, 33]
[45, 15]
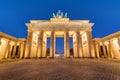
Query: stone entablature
[7, 36]
[58, 24]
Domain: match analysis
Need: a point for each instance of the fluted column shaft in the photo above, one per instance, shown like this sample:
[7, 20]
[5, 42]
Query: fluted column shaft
[7, 50]
[52, 44]
[108, 50]
[89, 38]
[97, 49]
[14, 50]
[76, 44]
[40, 40]
[111, 50]
[66, 45]
[80, 46]
[104, 50]
[22, 50]
[28, 44]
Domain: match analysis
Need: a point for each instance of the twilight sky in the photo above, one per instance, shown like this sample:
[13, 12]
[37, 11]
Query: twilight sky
[15, 13]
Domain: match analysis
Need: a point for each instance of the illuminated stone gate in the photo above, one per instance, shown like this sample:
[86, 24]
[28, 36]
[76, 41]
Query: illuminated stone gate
[59, 26]
[84, 46]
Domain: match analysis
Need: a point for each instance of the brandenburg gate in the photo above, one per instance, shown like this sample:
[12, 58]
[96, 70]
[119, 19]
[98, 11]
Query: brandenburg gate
[59, 26]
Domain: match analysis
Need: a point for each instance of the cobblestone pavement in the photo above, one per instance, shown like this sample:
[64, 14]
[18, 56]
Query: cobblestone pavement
[61, 69]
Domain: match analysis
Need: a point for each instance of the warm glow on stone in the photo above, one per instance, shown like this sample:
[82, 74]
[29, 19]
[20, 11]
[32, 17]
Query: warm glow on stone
[84, 46]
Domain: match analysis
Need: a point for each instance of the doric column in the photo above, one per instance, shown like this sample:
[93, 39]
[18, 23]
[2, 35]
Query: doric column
[66, 45]
[24, 49]
[28, 44]
[39, 47]
[52, 44]
[44, 44]
[89, 38]
[111, 50]
[10, 51]
[76, 44]
[104, 50]
[7, 49]
[94, 49]
[14, 50]
[100, 51]
[108, 50]
[97, 49]
[80, 46]
[21, 50]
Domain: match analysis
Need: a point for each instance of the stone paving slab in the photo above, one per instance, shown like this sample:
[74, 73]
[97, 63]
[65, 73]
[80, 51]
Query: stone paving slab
[61, 69]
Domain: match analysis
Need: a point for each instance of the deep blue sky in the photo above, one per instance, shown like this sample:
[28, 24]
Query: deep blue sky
[15, 13]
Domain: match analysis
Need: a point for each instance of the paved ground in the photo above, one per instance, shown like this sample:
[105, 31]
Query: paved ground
[60, 69]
